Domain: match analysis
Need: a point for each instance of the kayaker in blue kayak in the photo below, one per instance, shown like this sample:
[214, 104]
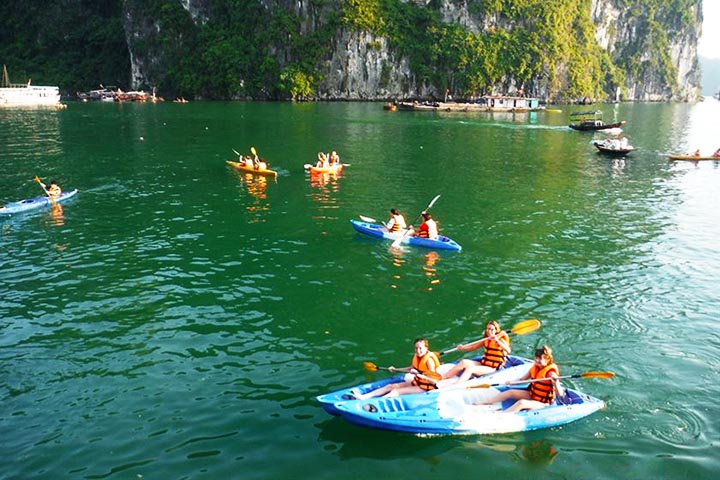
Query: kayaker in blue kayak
[396, 222]
[52, 190]
[424, 365]
[543, 389]
[428, 229]
[497, 348]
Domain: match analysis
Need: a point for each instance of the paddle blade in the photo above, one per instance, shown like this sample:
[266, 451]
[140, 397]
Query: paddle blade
[526, 326]
[433, 202]
[236, 152]
[598, 375]
[367, 219]
[370, 367]
[254, 152]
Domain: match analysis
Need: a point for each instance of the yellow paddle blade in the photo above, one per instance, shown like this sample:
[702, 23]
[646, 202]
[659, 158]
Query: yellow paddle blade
[526, 326]
[370, 367]
[598, 375]
[254, 152]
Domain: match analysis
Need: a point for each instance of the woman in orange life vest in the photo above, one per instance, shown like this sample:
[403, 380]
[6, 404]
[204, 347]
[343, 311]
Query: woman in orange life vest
[396, 222]
[538, 394]
[497, 348]
[424, 362]
[428, 229]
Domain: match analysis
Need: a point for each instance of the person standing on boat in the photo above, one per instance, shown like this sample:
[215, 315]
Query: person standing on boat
[424, 366]
[428, 229]
[497, 348]
[541, 392]
[396, 222]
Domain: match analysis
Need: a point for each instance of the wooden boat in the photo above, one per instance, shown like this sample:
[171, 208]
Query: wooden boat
[514, 369]
[379, 231]
[612, 149]
[243, 168]
[34, 203]
[692, 158]
[454, 412]
[591, 121]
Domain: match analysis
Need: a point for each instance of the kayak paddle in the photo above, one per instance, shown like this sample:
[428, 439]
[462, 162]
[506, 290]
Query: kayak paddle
[577, 375]
[398, 241]
[526, 326]
[432, 376]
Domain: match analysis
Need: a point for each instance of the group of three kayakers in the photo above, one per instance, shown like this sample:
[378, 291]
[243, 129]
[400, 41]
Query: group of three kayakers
[543, 374]
[428, 229]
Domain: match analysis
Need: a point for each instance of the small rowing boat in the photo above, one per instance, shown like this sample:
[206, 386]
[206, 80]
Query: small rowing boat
[612, 147]
[692, 158]
[243, 168]
[34, 203]
[591, 121]
[379, 231]
[454, 412]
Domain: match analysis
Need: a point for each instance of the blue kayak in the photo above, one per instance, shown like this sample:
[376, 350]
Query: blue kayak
[379, 231]
[34, 203]
[453, 412]
[514, 369]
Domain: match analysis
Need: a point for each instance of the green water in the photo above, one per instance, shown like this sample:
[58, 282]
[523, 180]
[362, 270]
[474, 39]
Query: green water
[177, 319]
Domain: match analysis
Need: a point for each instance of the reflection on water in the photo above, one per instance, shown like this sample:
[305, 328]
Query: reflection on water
[256, 186]
[56, 215]
[324, 188]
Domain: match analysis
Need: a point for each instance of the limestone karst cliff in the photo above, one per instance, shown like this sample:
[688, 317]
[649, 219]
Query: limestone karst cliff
[558, 50]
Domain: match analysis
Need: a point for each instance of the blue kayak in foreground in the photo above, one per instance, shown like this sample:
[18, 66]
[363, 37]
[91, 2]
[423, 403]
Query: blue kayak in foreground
[34, 203]
[379, 231]
[453, 412]
[514, 369]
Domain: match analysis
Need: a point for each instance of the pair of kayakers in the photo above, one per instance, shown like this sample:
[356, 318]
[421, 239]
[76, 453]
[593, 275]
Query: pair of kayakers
[253, 162]
[543, 374]
[428, 229]
[327, 160]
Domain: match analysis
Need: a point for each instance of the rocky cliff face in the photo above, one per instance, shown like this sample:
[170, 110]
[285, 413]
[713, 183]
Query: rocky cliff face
[360, 65]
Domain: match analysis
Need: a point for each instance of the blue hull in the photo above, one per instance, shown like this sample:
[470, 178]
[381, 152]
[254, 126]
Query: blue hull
[34, 203]
[453, 412]
[514, 369]
[379, 231]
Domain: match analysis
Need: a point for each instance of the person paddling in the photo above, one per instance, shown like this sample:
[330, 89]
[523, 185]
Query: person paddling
[396, 222]
[424, 363]
[539, 394]
[497, 348]
[53, 190]
[428, 229]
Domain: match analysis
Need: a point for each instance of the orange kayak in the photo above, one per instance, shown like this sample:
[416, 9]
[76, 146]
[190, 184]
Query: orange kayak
[692, 158]
[243, 168]
[333, 169]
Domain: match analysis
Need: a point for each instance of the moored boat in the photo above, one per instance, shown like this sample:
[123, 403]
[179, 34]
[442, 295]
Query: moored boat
[453, 411]
[379, 231]
[514, 369]
[34, 203]
[591, 121]
[26, 95]
[692, 158]
[243, 168]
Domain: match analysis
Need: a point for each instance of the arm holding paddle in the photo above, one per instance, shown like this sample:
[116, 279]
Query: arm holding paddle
[497, 348]
[424, 362]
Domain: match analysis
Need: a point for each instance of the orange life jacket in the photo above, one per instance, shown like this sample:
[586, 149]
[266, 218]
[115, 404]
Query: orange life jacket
[398, 220]
[427, 363]
[543, 391]
[495, 356]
